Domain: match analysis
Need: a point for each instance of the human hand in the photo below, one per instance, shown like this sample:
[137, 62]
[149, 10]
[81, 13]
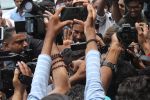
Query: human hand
[79, 68]
[89, 24]
[67, 37]
[24, 70]
[47, 15]
[100, 42]
[55, 25]
[143, 32]
[115, 41]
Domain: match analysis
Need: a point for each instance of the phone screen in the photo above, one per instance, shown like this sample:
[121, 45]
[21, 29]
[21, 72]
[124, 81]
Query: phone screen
[70, 13]
[1, 33]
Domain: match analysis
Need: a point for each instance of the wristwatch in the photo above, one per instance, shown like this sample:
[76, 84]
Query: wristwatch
[110, 65]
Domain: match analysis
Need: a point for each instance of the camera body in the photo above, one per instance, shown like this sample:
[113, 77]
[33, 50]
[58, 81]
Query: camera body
[126, 35]
[34, 20]
[6, 74]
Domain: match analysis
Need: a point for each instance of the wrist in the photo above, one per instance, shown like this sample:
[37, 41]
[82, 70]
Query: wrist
[89, 37]
[50, 34]
[19, 91]
[113, 54]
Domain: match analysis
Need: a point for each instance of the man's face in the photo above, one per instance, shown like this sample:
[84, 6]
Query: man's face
[78, 33]
[134, 8]
[18, 2]
[17, 43]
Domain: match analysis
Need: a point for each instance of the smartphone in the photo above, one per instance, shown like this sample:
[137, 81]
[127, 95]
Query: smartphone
[70, 13]
[78, 46]
[1, 33]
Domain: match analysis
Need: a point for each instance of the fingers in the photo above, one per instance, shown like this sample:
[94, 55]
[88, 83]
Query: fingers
[58, 11]
[142, 28]
[78, 21]
[64, 23]
[16, 74]
[48, 13]
[93, 12]
[90, 14]
[25, 70]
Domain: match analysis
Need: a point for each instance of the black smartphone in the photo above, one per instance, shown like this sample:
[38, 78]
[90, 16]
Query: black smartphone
[1, 33]
[78, 46]
[70, 13]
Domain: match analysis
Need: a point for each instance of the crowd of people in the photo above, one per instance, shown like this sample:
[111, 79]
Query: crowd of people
[113, 66]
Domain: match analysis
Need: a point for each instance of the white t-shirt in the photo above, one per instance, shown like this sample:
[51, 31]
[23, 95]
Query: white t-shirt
[105, 22]
[14, 15]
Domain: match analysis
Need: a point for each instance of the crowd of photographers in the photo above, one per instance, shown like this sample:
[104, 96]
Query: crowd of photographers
[102, 55]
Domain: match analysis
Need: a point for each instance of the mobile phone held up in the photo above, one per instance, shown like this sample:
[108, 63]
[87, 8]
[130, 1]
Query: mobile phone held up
[78, 46]
[70, 13]
[1, 33]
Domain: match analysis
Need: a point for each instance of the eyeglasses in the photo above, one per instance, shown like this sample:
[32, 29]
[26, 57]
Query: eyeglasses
[134, 7]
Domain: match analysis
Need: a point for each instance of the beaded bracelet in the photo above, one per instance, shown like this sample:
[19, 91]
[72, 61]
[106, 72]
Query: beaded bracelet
[54, 56]
[53, 68]
[60, 60]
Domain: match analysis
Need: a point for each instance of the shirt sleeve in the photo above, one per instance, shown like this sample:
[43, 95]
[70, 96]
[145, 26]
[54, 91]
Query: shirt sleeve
[93, 88]
[39, 86]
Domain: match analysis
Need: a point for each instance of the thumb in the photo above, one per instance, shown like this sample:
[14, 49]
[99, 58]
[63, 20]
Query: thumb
[16, 74]
[67, 22]
[139, 29]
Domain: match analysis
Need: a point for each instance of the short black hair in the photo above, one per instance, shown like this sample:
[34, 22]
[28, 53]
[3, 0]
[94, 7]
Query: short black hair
[134, 88]
[128, 1]
[56, 96]
[8, 33]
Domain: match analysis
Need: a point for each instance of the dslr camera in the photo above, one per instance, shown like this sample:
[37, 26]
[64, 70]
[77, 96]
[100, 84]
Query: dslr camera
[6, 74]
[126, 35]
[34, 19]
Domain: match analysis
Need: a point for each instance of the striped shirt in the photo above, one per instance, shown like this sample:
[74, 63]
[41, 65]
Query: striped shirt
[39, 86]
[93, 88]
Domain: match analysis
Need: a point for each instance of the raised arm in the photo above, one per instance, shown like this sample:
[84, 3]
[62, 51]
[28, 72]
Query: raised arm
[42, 71]
[93, 88]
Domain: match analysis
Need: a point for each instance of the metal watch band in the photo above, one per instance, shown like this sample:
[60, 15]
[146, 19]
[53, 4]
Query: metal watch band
[110, 65]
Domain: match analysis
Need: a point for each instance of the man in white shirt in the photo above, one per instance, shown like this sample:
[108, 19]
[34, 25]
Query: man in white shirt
[104, 19]
[15, 14]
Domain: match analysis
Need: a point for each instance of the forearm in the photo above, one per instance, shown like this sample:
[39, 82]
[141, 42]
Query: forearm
[146, 47]
[106, 72]
[92, 45]
[60, 76]
[48, 41]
